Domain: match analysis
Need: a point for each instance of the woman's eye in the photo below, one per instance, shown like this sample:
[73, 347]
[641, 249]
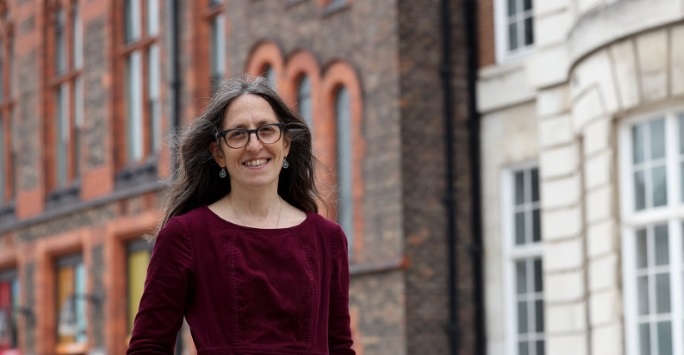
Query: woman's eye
[232, 135]
[267, 130]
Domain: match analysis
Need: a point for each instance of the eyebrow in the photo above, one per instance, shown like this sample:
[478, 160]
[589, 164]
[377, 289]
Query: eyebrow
[259, 123]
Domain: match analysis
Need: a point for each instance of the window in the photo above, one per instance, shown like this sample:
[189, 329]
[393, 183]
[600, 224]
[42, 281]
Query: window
[269, 74]
[345, 203]
[7, 151]
[137, 258]
[217, 43]
[142, 81]
[524, 267]
[514, 27]
[71, 302]
[67, 94]
[653, 215]
[9, 306]
[304, 100]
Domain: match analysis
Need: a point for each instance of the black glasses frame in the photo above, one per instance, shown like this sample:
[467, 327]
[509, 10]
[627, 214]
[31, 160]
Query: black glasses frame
[281, 128]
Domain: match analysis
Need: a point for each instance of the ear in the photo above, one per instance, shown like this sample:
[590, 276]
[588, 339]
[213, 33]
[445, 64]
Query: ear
[216, 153]
[286, 145]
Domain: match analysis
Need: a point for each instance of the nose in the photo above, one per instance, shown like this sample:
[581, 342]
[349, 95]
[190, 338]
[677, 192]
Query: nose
[253, 144]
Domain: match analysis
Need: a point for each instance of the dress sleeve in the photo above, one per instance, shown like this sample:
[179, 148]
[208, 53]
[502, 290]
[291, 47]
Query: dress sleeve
[339, 331]
[162, 306]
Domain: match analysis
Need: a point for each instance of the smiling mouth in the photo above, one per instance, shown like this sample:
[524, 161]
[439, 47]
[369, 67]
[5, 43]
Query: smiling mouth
[256, 162]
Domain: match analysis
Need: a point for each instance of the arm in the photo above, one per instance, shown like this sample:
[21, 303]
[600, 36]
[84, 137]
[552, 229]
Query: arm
[161, 310]
[339, 331]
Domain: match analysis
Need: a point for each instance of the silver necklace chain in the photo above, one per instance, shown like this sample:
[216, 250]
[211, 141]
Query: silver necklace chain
[280, 210]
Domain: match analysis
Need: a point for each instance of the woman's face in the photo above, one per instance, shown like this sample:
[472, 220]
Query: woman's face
[256, 164]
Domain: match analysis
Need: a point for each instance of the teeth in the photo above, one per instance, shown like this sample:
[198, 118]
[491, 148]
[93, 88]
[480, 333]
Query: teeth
[256, 162]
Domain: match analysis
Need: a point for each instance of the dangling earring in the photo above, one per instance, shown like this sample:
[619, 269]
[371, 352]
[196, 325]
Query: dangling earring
[223, 173]
[285, 163]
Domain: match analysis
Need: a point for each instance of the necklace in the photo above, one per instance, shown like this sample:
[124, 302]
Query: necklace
[280, 210]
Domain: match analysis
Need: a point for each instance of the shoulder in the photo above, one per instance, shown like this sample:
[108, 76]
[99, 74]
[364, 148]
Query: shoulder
[321, 223]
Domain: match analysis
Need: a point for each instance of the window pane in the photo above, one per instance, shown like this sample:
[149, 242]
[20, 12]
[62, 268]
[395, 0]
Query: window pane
[664, 338]
[642, 289]
[60, 43]
[644, 339]
[662, 253]
[77, 36]
[535, 185]
[641, 249]
[152, 17]
[522, 318]
[269, 74]
[663, 293]
[521, 277]
[540, 347]
[681, 181]
[657, 129]
[136, 266]
[513, 36]
[523, 348]
[639, 190]
[80, 302]
[304, 100]
[536, 225]
[538, 278]
[2, 162]
[527, 5]
[529, 31]
[638, 134]
[344, 161]
[134, 119]
[154, 103]
[520, 228]
[659, 186]
[511, 7]
[519, 188]
[680, 125]
[132, 13]
[539, 316]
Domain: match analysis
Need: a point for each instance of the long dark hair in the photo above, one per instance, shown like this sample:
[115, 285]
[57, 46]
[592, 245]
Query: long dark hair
[197, 182]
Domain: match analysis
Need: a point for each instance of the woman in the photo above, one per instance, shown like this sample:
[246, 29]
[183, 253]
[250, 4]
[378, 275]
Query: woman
[241, 252]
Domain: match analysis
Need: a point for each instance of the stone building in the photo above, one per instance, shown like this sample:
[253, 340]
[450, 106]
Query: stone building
[91, 90]
[582, 128]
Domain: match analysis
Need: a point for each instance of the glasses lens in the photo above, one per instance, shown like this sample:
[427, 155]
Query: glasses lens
[269, 134]
[236, 138]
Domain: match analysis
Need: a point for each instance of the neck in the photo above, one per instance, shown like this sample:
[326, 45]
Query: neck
[258, 209]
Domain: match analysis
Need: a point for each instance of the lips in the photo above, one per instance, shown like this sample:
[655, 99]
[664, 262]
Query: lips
[256, 162]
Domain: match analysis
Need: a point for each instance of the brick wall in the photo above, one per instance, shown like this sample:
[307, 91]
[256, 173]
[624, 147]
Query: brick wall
[486, 33]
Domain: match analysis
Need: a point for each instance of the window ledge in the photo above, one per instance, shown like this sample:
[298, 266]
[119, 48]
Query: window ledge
[64, 196]
[7, 213]
[133, 176]
[335, 7]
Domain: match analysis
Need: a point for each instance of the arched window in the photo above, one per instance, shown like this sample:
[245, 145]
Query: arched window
[304, 100]
[345, 203]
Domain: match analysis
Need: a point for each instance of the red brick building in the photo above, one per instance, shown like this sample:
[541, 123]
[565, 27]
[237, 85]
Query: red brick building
[91, 89]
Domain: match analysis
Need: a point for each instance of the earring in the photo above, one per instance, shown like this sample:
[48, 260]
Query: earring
[285, 163]
[223, 173]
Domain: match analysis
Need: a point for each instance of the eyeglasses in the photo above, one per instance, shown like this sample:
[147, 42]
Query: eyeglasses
[238, 137]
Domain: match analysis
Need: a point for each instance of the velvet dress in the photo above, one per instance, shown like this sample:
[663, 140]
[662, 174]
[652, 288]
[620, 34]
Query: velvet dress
[246, 290]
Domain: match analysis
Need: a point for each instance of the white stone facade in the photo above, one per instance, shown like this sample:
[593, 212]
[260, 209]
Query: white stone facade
[596, 64]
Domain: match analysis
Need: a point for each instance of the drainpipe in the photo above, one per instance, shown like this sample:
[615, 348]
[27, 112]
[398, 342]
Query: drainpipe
[175, 82]
[469, 13]
[453, 328]
[174, 86]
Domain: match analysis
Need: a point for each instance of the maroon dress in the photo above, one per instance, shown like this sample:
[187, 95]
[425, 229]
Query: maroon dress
[246, 290]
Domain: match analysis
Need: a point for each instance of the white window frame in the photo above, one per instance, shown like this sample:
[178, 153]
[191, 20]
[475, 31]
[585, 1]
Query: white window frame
[671, 214]
[513, 253]
[501, 34]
